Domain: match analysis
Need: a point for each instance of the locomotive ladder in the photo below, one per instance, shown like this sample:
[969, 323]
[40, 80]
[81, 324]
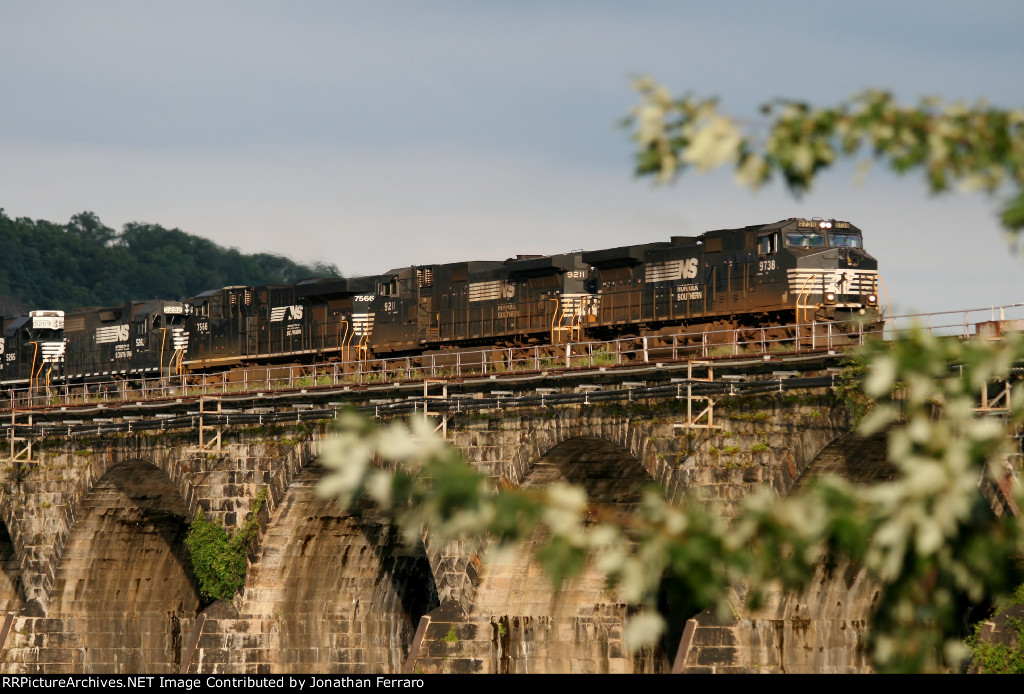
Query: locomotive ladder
[694, 421]
[568, 320]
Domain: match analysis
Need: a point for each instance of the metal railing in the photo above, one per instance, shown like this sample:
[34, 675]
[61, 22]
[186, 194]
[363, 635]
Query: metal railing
[496, 362]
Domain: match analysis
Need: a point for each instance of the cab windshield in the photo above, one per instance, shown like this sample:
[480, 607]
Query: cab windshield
[804, 239]
[844, 239]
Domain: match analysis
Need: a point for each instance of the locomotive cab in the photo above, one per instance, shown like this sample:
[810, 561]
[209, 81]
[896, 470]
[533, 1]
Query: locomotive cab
[828, 274]
[136, 338]
[557, 295]
[32, 347]
[160, 339]
[391, 317]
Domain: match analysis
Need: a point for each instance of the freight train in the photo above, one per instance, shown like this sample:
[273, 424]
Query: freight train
[755, 280]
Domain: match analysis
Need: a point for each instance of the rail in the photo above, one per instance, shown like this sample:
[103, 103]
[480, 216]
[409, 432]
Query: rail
[765, 342]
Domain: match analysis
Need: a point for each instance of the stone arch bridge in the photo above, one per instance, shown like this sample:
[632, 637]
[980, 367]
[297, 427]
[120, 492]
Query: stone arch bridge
[96, 577]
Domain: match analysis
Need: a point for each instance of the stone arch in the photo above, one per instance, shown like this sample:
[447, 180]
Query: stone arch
[55, 489]
[608, 473]
[124, 591]
[12, 589]
[538, 436]
[52, 489]
[578, 626]
[821, 628]
[331, 591]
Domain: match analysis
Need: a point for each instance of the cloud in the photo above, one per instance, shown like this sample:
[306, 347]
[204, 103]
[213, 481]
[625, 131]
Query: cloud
[373, 136]
[368, 211]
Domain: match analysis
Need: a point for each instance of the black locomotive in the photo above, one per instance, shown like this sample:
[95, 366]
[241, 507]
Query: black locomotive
[133, 339]
[32, 348]
[760, 279]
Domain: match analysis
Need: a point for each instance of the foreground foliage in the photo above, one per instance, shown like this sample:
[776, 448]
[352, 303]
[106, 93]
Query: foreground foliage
[956, 146]
[928, 537]
[1000, 658]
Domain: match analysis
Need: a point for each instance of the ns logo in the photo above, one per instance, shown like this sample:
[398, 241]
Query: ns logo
[689, 269]
[285, 313]
[112, 333]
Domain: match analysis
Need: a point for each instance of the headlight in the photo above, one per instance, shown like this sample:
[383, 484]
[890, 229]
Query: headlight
[872, 299]
[830, 298]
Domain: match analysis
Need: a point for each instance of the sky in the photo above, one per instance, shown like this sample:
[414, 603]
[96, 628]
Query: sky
[376, 135]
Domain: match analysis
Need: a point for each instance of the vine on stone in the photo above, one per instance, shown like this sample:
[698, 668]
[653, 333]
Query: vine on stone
[219, 560]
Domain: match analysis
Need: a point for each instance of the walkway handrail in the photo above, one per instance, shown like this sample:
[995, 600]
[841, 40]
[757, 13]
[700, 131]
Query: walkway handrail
[710, 344]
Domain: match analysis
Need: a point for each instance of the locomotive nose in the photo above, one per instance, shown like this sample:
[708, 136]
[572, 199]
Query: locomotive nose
[854, 258]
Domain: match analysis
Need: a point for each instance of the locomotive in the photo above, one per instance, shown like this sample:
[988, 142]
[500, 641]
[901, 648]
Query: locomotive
[750, 280]
[133, 339]
[31, 348]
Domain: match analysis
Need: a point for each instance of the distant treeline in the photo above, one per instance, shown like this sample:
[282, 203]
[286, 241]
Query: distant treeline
[84, 263]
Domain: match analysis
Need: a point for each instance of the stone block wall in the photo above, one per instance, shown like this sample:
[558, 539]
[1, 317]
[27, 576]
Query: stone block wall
[330, 591]
[512, 620]
[333, 591]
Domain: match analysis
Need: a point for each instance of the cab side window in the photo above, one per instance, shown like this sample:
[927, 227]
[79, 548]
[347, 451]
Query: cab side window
[768, 244]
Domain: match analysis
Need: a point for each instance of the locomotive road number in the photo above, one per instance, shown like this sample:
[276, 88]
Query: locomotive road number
[140, 342]
[364, 297]
[766, 265]
[390, 305]
[203, 327]
[576, 274]
[10, 356]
